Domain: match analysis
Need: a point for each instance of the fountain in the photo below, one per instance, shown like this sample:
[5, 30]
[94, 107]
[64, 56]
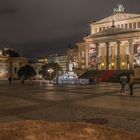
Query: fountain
[70, 77]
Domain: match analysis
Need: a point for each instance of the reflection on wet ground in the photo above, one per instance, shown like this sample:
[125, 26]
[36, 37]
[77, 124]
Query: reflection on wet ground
[70, 103]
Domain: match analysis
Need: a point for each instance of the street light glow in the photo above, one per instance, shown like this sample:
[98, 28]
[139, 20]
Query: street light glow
[50, 70]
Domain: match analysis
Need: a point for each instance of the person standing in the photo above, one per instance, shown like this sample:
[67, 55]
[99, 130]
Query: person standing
[131, 83]
[10, 80]
[22, 79]
[90, 80]
[123, 82]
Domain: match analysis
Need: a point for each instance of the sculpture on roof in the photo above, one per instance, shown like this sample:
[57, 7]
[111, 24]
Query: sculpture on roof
[119, 9]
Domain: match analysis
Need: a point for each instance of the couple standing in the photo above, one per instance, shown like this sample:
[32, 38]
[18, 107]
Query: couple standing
[123, 82]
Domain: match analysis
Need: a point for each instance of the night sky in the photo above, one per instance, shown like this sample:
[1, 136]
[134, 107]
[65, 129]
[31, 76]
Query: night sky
[37, 28]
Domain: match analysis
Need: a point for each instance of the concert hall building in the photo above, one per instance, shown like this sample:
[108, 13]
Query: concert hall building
[114, 43]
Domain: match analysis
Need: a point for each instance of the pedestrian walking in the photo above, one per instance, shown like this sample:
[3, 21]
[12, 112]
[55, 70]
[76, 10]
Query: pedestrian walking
[10, 80]
[123, 82]
[22, 79]
[131, 83]
[90, 80]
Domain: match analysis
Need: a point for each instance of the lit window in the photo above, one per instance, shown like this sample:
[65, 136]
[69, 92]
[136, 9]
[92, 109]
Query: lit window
[83, 66]
[95, 30]
[126, 26]
[122, 26]
[130, 25]
[134, 25]
[138, 24]
[100, 29]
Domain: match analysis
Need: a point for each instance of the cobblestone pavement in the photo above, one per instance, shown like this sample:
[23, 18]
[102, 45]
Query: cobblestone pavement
[70, 103]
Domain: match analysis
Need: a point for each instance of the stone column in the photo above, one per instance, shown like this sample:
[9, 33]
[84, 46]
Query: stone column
[118, 55]
[107, 55]
[131, 54]
[87, 56]
[97, 53]
[79, 57]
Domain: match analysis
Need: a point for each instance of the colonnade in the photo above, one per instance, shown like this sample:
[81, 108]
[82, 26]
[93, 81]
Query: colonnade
[118, 55]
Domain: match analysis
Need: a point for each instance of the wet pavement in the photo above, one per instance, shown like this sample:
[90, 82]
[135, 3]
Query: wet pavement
[70, 104]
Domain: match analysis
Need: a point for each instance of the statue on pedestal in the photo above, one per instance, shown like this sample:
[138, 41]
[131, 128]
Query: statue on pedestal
[71, 65]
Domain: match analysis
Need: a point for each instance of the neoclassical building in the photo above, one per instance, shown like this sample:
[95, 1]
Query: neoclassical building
[9, 66]
[3, 66]
[114, 43]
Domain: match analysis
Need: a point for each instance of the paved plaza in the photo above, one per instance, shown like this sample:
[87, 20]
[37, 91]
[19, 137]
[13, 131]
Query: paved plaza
[70, 104]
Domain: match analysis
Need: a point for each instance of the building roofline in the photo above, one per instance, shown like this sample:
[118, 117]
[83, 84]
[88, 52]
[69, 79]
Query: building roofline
[102, 22]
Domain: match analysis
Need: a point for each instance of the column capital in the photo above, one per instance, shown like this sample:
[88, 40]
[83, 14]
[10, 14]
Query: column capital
[130, 41]
[97, 44]
[118, 42]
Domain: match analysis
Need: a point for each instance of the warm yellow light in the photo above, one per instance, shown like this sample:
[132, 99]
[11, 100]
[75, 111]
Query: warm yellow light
[103, 64]
[50, 70]
[112, 64]
[123, 63]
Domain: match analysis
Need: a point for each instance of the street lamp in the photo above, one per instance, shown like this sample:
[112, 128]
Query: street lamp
[50, 71]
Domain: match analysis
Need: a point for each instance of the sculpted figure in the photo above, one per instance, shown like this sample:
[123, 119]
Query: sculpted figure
[120, 9]
[71, 66]
[137, 56]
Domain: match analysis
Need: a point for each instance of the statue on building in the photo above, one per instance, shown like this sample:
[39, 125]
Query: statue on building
[119, 9]
[137, 56]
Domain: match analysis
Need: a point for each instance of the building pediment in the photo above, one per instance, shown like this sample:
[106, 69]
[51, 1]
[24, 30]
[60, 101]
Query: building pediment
[117, 17]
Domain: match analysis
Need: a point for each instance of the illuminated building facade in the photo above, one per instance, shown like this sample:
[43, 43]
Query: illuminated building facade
[9, 66]
[114, 43]
[60, 59]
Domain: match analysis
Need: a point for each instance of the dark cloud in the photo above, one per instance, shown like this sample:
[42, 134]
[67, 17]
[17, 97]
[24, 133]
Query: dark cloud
[40, 27]
[7, 11]
[43, 48]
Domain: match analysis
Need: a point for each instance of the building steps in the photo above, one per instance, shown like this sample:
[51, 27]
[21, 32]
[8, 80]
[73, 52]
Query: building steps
[106, 75]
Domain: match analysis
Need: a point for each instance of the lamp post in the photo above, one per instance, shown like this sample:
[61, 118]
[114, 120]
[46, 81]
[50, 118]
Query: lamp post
[50, 71]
